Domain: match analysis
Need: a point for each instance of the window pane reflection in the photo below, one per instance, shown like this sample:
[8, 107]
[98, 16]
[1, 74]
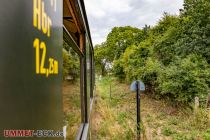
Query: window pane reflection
[71, 91]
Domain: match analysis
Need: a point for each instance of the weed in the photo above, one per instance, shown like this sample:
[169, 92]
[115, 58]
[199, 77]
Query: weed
[206, 135]
[181, 136]
[161, 116]
[149, 118]
[167, 131]
[104, 129]
[129, 134]
[121, 117]
[156, 125]
[200, 120]
[173, 121]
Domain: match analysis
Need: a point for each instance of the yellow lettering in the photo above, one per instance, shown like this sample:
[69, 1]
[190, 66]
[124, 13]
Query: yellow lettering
[40, 18]
[44, 20]
[55, 67]
[36, 46]
[37, 14]
[51, 65]
[49, 26]
[43, 47]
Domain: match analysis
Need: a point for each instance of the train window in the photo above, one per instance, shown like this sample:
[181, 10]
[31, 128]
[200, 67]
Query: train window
[71, 91]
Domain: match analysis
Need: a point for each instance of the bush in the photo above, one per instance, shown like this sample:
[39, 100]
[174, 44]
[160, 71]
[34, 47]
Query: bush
[118, 69]
[149, 73]
[133, 60]
[185, 79]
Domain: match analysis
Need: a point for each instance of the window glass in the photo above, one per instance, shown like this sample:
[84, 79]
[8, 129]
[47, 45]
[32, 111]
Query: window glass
[91, 73]
[88, 71]
[71, 91]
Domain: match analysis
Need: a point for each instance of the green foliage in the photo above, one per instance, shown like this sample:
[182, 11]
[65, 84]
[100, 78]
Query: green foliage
[195, 27]
[173, 121]
[164, 24]
[185, 79]
[118, 69]
[102, 58]
[167, 131]
[183, 137]
[121, 118]
[70, 63]
[149, 74]
[164, 48]
[122, 37]
[66, 63]
[206, 135]
[131, 62]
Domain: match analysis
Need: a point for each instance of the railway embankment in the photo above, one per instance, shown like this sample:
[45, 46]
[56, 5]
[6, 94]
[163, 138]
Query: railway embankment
[115, 116]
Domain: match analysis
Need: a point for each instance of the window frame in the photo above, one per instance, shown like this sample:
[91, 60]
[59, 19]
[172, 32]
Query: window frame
[69, 40]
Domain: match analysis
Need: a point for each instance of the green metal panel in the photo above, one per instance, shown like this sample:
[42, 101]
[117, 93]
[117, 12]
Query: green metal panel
[30, 100]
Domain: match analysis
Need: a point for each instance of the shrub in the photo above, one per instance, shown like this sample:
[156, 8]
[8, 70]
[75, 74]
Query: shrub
[185, 79]
[149, 73]
[118, 69]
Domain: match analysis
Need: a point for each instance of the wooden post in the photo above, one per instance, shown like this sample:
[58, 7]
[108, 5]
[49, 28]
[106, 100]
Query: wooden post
[196, 104]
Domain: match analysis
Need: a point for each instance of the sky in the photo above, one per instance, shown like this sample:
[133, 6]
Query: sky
[103, 15]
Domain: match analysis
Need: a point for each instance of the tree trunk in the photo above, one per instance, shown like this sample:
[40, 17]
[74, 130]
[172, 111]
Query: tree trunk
[103, 72]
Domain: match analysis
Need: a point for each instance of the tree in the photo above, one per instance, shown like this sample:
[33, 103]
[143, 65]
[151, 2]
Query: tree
[102, 58]
[195, 26]
[122, 37]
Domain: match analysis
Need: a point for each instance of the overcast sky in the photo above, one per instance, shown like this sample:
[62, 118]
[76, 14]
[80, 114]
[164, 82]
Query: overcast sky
[103, 15]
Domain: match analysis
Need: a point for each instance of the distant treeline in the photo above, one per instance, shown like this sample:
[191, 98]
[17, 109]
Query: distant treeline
[172, 57]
